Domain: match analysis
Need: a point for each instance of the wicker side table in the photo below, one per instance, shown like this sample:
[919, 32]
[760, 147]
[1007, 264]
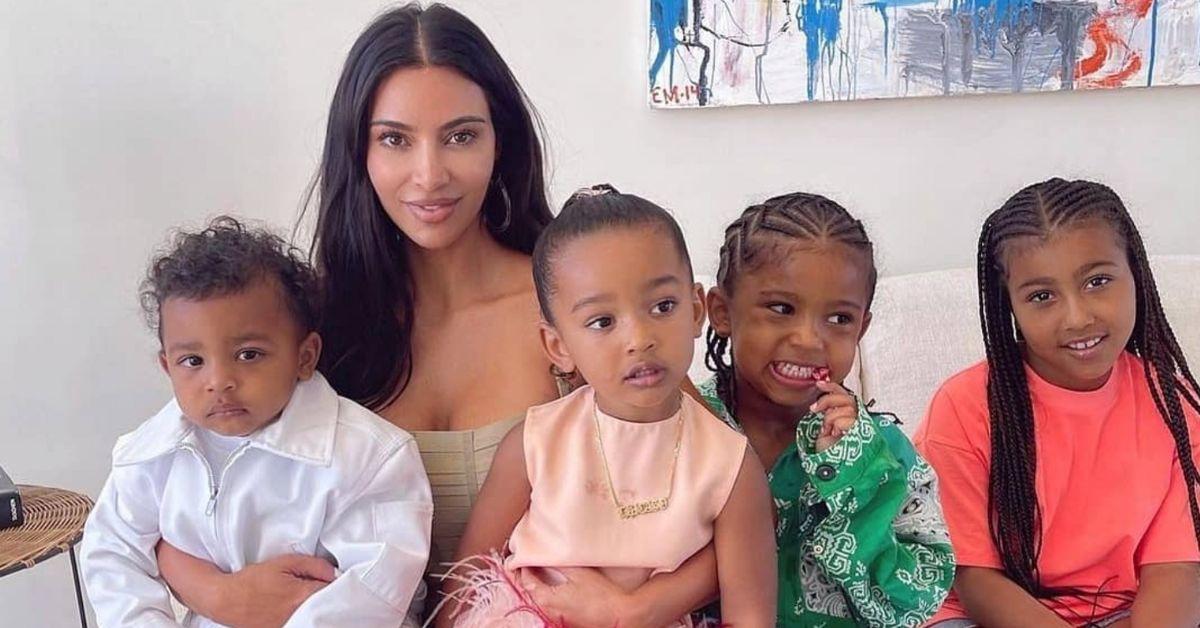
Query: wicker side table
[54, 521]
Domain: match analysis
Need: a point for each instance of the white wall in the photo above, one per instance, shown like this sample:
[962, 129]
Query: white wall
[119, 120]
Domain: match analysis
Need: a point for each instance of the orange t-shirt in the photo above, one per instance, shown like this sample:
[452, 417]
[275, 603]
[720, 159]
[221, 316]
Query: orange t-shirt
[1109, 485]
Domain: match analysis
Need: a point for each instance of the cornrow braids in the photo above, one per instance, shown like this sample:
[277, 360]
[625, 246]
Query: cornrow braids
[1015, 519]
[752, 239]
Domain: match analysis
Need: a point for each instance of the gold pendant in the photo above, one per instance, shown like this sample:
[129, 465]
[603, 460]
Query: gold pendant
[629, 511]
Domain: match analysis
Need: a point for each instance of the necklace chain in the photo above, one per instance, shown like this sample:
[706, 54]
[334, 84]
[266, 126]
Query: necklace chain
[637, 509]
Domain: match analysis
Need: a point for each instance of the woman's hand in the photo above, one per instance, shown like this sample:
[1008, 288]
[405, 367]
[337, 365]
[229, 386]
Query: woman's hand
[268, 593]
[586, 599]
[260, 595]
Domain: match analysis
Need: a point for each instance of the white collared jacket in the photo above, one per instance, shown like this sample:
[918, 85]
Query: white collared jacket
[328, 479]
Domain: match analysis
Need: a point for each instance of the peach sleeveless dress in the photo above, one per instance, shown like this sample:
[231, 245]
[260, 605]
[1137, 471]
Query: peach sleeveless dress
[572, 520]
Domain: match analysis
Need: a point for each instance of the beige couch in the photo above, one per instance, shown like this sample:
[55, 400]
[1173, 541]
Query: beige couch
[925, 328]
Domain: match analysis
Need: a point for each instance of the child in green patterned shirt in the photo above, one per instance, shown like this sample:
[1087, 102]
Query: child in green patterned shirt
[860, 534]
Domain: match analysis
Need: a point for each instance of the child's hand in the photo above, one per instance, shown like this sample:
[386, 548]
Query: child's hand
[840, 412]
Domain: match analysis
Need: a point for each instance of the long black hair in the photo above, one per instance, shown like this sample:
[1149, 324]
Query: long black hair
[367, 309]
[798, 216]
[1015, 519]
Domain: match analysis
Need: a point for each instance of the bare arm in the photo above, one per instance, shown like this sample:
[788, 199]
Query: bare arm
[995, 601]
[503, 500]
[263, 594]
[1168, 595]
[669, 596]
[744, 538]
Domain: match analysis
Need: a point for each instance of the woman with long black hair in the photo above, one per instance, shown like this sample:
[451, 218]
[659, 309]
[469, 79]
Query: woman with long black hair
[429, 198]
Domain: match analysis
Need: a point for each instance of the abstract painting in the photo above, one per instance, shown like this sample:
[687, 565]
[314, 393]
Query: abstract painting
[742, 52]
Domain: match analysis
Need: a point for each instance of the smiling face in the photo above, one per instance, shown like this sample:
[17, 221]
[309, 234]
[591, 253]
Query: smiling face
[431, 153]
[793, 320]
[626, 315]
[1074, 299]
[235, 359]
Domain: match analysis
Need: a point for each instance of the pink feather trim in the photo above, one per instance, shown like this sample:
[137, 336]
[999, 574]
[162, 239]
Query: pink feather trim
[490, 596]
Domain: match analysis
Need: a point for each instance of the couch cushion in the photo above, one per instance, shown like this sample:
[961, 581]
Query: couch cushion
[1177, 277]
[925, 328]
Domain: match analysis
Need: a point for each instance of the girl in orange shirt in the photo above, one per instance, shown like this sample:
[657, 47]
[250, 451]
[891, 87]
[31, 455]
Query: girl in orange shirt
[1065, 460]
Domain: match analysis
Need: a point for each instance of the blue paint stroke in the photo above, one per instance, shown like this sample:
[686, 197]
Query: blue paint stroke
[1153, 40]
[821, 22]
[887, 36]
[665, 16]
[987, 16]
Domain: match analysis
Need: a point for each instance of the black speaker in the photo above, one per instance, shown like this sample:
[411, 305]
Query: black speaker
[11, 514]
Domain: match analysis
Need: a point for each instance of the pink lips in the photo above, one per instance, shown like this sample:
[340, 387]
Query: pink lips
[645, 375]
[432, 211]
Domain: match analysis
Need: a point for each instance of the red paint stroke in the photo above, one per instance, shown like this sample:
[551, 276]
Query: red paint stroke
[1109, 45]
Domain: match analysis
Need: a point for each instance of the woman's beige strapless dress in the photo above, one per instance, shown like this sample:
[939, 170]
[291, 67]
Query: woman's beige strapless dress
[457, 462]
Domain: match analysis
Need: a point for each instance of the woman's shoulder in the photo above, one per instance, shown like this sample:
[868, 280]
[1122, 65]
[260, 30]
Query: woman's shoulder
[514, 272]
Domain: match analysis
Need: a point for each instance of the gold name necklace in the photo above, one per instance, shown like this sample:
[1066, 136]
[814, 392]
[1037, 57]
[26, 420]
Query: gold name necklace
[637, 509]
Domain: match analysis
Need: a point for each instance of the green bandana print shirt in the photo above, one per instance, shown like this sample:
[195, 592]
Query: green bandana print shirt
[860, 533]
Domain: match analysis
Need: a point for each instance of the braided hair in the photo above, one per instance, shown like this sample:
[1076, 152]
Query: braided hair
[1015, 519]
[752, 239]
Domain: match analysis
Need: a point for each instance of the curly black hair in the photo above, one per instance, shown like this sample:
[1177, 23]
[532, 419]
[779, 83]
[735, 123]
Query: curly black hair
[223, 259]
